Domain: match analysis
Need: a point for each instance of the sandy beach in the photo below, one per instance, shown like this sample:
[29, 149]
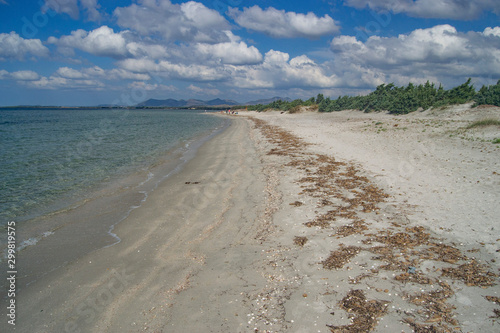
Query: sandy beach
[305, 222]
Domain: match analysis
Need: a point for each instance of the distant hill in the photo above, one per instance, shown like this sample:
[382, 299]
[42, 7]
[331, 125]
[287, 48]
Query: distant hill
[174, 103]
[183, 103]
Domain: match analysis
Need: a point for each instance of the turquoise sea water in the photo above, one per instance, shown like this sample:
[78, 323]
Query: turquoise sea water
[52, 158]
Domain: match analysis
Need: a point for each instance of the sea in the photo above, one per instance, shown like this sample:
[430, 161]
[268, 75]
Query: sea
[56, 160]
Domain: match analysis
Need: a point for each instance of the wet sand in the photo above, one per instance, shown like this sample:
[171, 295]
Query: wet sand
[295, 223]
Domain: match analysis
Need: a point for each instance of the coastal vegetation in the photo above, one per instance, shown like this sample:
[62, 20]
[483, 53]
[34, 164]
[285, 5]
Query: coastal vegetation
[483, 123]
[396, 100]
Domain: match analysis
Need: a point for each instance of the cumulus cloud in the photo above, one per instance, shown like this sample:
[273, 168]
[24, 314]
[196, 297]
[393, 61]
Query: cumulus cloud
[175, 70]
[25, 75]
[278, 71]
[98, 73]
[192, 72]
[495, 32]
[204, 91]
[56, 82]
[281, 24]
[452, 9]
[141, 50]
[141, 85]
[91, 7]
[70, 7]
[62, 79]
[14, 47]
[190, 21]
[92, 78]
[234, 52]
[70, 73]
[102, 41]
[437, 52]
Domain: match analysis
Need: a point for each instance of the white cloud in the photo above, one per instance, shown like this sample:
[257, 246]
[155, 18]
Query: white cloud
[439, 52]
[71, 8]
[192, 71]
[204, 91]
[234, 52]
[452, 9]
[190, 21]
[25, 76]
[121, 74]
[277, 71]
[14, 47]
[56, 82]
[139, 65]
[98, 73]
[91, 7]
[171, 70]
[495, 32]
[91, 78]
[70, 73]
[153, 51]
[102, 41]
[141, 85]
[281, 24]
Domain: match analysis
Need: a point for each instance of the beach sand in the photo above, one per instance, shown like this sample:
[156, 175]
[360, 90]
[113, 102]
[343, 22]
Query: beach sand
[307, 222]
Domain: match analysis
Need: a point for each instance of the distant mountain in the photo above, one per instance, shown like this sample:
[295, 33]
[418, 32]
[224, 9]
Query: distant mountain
[183, 103]
[174, 103]
[268, 100]
[163, 102]
[219, 101]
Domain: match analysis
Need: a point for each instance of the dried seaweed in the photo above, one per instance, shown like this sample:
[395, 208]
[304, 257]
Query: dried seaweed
[472, 274]
[412, 237]
[357, 227]
[446, 253]
[414, 277]
[341, 186]
[436, 310]
[300, 240]
[422, 328]
[337, 259]
[493, 299]
[366, 312]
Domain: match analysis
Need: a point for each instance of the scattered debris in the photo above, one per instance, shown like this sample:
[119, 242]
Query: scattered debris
[365, 312]
[300, 240]
[348, 195]
[472, 274]
[339, 258]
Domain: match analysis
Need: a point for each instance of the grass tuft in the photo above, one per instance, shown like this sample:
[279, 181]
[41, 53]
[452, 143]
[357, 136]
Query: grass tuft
[484, 123]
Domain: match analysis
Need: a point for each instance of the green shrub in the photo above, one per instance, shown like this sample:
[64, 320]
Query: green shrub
[484, 123]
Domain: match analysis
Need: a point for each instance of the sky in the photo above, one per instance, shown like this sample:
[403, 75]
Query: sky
[92, 52]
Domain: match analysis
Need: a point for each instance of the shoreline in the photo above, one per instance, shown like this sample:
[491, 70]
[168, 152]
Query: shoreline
[47, 243]
[282, 224]
[135, 183]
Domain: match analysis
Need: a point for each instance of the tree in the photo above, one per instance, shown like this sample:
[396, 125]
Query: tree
[319, 98]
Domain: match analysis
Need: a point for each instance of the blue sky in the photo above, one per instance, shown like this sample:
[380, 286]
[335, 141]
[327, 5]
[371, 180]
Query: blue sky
[90, 52]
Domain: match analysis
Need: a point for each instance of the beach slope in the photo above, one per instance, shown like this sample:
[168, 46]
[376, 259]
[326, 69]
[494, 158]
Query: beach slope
[308, 222]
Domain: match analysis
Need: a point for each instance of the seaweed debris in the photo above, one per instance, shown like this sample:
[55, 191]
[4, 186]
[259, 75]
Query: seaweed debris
[365, 312]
